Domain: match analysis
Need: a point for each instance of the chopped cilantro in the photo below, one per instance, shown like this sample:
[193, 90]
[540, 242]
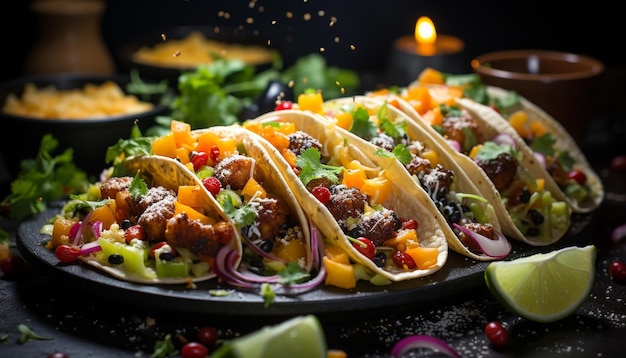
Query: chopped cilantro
[492, 150]
[28, 335]
[243, 216]
[138, 187]
[312, 168]
[400, 152]
[361, 124]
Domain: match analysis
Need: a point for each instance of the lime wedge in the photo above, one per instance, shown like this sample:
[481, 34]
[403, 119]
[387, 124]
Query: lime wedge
[544, 287]
[301, 336]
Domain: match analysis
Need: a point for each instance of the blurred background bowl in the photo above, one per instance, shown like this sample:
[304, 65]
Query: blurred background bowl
[165, 55]
[562, 84]
[89, 138]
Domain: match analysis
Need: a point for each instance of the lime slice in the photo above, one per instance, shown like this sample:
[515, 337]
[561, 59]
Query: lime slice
[544, 287]
[301, 336]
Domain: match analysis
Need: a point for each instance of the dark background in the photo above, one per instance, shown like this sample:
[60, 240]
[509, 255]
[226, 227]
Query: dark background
[593, 28]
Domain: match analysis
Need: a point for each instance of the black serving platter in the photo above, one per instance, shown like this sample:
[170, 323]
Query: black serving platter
[459, 274]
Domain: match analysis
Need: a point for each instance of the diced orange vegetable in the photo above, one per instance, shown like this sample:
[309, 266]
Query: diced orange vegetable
[285, 128]
[179, 127]
[433, 117]
[182, 154]
[292, 250]
[540, 184]
[424, 257]
[206, 141]
[340, 275]
[354, 178]
[406, 239]
[311, 102]
[518, 121]
[537, 129]
[336, 254]
[105, 214]
[191, 195]
[344, 120]
[227, 147]
[251, 188]
[182, 133]
[430, 76]
[419, 98]
[193, 213]
[377, 188]
[432, 156]
[475, 150]
[165, 146]
[289, 156]
[444, 95]
[60, 232]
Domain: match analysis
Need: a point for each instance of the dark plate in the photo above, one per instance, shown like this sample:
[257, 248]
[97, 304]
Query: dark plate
[459, 274]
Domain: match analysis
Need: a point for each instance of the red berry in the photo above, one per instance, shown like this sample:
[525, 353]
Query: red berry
[410, 224]
[214, 154]
[322, 194]
[67, 253]
[404, 260]
[207, 336]
[618, 164]
[58, 355]
[367, 247]
[212, 184]
[284, 105]
[194, 350]
[618, 271]
[12, 265]
[159, 245]
[134, 232]
[199, 159]
[578, 176]
[496, 334]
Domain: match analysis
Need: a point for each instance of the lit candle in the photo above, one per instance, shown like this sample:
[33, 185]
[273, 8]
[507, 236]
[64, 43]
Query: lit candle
[412, 53]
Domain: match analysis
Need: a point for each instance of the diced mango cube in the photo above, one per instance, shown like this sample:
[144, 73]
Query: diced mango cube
[338, 274]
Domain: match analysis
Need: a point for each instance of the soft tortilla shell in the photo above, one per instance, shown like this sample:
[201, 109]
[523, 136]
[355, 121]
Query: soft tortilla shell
[404, 200]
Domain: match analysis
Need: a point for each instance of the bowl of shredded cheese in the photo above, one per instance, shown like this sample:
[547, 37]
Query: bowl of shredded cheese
[85, 112]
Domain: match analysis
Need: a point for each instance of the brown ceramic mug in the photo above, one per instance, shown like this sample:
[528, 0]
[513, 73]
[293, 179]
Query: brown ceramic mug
[562, 84]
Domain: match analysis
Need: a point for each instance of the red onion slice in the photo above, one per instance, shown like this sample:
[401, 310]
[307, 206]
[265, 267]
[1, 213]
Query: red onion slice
[90, 247]
[407, 344]
[618, 233]
[499, 248]
[540, 158]
[455, 144]
[505, 138]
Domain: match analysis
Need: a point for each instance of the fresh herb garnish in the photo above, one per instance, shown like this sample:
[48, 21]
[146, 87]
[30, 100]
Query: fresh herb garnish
[29, 335]
[243, 216]
[400, 152]
[312, 168]
[138, 187]
[361, 124]
[44, 179]
[492, 150]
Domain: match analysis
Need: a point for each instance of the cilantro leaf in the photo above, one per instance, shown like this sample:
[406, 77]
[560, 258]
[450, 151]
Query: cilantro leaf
[29, 335]
[544, 144]
[491, 150]
[312, 168]
[400, 152]
[267, 293]
[44, 178]
[138, 187]
[243, 216]
[292, 273]
[361, 124]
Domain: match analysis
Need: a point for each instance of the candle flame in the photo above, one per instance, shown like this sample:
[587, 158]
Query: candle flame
[425, 32]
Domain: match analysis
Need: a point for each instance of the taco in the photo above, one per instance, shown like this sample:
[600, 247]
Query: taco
[473, 227]
[506, 173]
[568, 169]
[247, 185]
[391, 230]
[565, 162]
[152, 224]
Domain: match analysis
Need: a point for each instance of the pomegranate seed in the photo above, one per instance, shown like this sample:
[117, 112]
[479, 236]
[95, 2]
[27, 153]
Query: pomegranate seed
[214, 154]
[578, 176]
[496, 334]
[322, 194]
[369, 250]
[67, 253]
[212, 184]
[207, 336]
[194, 350]
[618, 271]
[134, 232]
[283, 105]
[410, 224]
[618, 164]
[404, 260]
[199, 159]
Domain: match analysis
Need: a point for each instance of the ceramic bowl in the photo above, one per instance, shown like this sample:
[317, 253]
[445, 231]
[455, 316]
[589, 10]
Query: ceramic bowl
[89, 138]
[562, 84]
